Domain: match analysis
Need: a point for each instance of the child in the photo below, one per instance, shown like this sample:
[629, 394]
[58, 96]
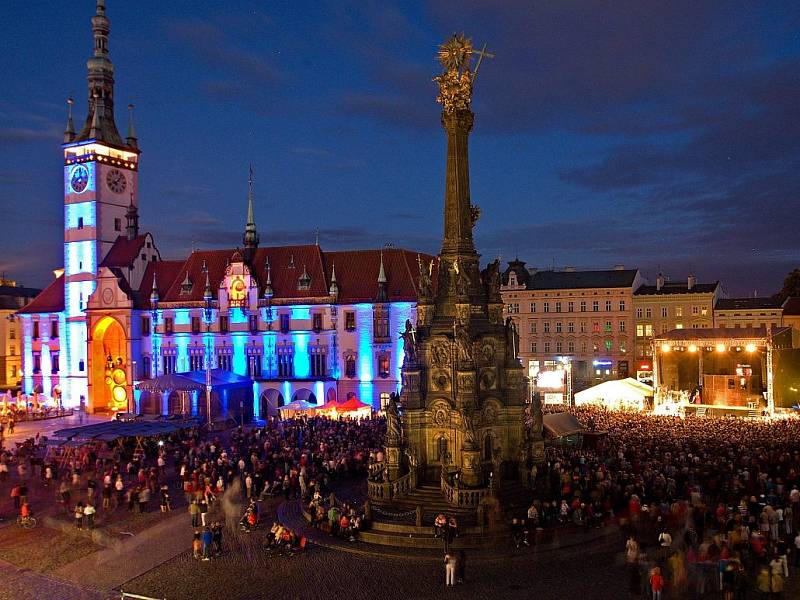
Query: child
[197, 546]
[656, 583]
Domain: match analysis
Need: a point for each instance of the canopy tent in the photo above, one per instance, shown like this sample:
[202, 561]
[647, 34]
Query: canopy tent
[297, 407]
[616, 394]
[561, 425]
[170, 382]
[352, 407]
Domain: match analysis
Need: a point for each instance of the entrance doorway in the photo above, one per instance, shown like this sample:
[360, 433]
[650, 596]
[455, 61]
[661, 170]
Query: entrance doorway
[109, 367]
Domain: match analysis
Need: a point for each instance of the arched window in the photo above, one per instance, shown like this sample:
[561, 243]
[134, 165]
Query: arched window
[350, 366]
[444, 454]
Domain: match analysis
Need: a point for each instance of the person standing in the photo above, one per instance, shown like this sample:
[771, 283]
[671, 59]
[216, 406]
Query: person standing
[88, 512]
[656, 583]
[203, 511]
[450, 569]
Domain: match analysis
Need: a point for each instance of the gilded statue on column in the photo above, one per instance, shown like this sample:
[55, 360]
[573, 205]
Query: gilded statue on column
[455, 83]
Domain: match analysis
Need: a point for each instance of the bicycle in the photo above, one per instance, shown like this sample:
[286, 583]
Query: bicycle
[26, 522]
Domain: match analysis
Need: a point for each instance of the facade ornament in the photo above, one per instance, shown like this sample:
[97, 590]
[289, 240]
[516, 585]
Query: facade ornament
[409, 337]
[463, 342]
[393, 429]
[425, 290]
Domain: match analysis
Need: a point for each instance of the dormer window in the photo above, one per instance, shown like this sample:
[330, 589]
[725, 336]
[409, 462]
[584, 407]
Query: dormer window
[512, 279]
[304, 282]
[186, 285]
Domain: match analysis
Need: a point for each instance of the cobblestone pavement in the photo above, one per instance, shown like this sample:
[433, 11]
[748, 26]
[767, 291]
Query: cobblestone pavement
[24, 584]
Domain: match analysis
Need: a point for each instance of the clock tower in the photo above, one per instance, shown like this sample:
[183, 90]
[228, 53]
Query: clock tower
[100, 196]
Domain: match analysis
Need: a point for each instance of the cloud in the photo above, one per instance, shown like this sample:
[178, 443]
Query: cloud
[18, 135]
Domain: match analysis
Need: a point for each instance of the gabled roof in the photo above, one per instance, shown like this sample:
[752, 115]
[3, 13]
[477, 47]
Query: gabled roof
[791, 308]
[518, 268]
[677, 287]
[570, 280]
[747, 303]
[124, 251]
[50, 300]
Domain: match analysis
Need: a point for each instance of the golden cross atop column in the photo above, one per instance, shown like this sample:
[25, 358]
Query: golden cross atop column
[455, 83]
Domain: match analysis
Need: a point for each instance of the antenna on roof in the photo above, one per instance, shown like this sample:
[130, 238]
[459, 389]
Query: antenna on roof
[316, 236]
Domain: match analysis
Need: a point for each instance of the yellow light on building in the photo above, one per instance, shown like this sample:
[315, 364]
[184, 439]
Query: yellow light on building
[665, 347]
[750, 347]
[720, 347]
[692, 348]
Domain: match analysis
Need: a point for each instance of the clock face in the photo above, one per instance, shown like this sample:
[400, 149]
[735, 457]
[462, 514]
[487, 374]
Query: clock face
[116, 181]
[79, 179]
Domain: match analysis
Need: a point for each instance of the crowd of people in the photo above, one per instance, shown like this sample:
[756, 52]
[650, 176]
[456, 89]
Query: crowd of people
[711, 504]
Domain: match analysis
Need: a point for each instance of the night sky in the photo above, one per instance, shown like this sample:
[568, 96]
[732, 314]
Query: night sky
[661, 135]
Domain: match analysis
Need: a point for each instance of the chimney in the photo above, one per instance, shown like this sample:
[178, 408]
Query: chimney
[619, 267]
[569, 269]
[690, 282]
[659, 282]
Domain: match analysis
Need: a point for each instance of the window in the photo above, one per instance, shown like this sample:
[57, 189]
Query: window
[54, 329]
[170, 362]
[252, 321]
[558, 347]
[583, 346]
[648, 330]
[648, 312]
[513, 308]
[533, 326]
[169, 326]
[285, 322]
[640, 330]
[350, 320]
[81, 366]
[533, 307]
[12, 332]
[608, 305]
[316, 322]
[608, 344]
[380, 322]
[570, 346]
[608, 327]
[546, 327]
[286, 361]
[695, 325]
[663, 312]
[254, 363]
[145, 326]
[558, 307]
[533, 348]
[224, 359]
[54, 363]
[703, 311]
[37, 362]
[678, 311]
[384, 398]
[596, 327]
[622, 305]
[80, 222]
[678, 325]
[547, 347]
[583, 326]
[546, 307]
[571, 327]
[12, 350]
[622, 347]
[144, 368]
[695, 310]
[350, 366]
[319, 360]
[639, 313]
[13, 371]
[583, 305]
[664, 327]
[223, 324]
[383, 366]
[595, 306]
[36, 330]
[195, 326]
[117, 224]
[570, 306]
[196, 359]
[558, 327]
[622, 326]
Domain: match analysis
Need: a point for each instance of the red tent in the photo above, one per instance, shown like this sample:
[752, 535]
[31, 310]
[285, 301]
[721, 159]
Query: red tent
[353, 405]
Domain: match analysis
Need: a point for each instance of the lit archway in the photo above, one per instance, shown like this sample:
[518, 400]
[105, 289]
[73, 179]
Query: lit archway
[270, 401]
[305, 394]
[109, 366]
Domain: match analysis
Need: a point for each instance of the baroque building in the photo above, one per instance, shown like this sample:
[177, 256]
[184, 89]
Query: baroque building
[464, 396]
[12, 298]
[299, 322]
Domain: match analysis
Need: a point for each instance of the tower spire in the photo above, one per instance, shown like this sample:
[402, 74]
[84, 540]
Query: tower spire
[250, 237]
[100, 123]
[382, 292]
[130, 138]
[334, 289]
[69, 132]
[132, 220]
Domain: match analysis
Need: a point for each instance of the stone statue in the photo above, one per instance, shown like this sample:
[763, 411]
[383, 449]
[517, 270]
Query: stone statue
[470, 436]
[455, 84]
[512, 340]
[409, 337]
[463, 342]
[491, 279]
[425, 290]
[537, 418]
[393, 430]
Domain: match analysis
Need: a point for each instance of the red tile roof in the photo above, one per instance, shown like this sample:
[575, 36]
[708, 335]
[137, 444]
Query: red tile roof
[356, 274]
[50, 300]
[124, 251]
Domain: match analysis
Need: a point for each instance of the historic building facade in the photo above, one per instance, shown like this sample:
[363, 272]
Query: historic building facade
[748, 312]
[579, 322]
[300, 322]
[669, 305]
[12, 298]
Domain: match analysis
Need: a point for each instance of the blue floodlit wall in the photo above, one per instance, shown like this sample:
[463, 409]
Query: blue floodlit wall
[302, 365]
[366, 355]
[398, 314]
[80, 210]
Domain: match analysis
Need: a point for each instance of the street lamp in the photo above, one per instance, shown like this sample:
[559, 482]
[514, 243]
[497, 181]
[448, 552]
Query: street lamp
[208, 311]
[154, 314]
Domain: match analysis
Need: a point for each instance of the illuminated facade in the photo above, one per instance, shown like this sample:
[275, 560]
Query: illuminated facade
[12, 298]
[748, 312]
[299, 322]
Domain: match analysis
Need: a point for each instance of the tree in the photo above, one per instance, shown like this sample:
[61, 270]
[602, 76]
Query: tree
[791, 285]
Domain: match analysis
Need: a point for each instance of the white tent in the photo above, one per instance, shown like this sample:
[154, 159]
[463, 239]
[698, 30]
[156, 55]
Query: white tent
[620, 393]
